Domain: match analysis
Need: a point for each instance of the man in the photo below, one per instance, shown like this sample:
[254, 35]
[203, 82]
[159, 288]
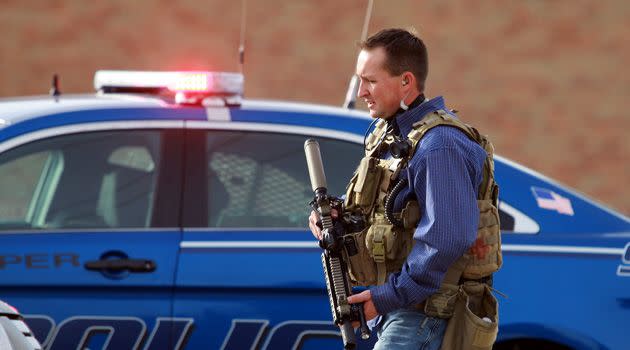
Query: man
[441, 176]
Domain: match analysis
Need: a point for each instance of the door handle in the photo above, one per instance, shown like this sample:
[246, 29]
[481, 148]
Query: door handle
[131, 265]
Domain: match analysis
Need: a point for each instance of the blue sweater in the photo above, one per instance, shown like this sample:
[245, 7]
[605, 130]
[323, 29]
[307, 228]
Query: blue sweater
[444, 177]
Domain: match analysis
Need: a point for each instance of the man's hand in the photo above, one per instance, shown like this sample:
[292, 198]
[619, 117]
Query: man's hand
[312, 224]
[369, 309]
[315, 225]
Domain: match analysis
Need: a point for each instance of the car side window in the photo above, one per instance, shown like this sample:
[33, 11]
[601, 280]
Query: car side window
[20, 178]
[89, 180]
[515, 221]
[261, 179]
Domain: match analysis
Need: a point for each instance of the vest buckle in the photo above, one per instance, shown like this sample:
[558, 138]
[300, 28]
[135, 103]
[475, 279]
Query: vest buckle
[378, 247]
[378, 252]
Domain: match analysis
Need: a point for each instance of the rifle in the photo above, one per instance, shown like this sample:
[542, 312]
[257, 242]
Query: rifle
[332, 242]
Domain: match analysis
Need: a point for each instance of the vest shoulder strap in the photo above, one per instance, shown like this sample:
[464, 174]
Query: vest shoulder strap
[373, 140]
[441, 117]
[437, 118]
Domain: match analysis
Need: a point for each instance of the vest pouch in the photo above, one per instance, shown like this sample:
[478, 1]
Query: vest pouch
[360, 264]
[388, 248]
[367, 182]
[384, 243]
[485, 254]
[441, 304]
[474, 324]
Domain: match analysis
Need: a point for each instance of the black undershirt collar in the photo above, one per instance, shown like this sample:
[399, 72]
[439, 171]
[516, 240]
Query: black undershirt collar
[392, 125]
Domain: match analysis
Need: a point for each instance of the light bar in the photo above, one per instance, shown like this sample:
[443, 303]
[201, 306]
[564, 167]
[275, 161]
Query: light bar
[195, 82]
[204, 83]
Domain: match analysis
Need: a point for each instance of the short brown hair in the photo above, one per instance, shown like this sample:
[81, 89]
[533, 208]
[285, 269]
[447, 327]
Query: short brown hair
[405, 52]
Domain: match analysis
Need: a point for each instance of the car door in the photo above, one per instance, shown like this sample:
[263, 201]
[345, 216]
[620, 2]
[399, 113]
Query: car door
[249, 266]
[89, 235]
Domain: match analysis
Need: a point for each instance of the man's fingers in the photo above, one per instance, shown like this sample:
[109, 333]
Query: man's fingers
[316, 231]
[312, 225]
[359, 298]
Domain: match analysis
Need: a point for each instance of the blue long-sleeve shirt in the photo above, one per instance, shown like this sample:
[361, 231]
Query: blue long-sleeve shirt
[444, 176]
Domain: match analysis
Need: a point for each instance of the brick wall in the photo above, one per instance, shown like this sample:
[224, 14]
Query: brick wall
[545, 79]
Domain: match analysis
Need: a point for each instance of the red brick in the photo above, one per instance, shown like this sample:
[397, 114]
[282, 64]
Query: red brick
[546, 80]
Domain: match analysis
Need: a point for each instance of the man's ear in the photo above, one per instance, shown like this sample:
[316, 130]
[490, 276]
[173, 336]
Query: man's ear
[408, 79]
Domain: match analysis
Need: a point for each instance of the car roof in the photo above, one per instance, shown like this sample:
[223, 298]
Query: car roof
[15, 110]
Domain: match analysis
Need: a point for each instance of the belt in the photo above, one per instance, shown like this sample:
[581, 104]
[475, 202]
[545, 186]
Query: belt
[486, 280]
[420, 306]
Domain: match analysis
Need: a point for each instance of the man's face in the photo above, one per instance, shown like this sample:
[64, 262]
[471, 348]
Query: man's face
[378, 88]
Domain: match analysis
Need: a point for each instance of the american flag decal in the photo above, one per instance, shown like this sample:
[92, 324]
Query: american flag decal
[547, 199]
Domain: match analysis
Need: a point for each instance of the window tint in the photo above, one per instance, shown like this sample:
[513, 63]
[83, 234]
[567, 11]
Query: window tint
[261, 180]
[90, 180]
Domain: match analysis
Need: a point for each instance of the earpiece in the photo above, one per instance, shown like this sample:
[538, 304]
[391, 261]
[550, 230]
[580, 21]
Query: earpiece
[405, 82]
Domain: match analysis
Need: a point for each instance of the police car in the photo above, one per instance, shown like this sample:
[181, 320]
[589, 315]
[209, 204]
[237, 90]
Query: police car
[166, 212]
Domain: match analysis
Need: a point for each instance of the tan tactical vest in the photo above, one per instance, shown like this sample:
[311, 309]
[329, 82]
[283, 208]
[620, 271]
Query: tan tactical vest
[382, 248]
